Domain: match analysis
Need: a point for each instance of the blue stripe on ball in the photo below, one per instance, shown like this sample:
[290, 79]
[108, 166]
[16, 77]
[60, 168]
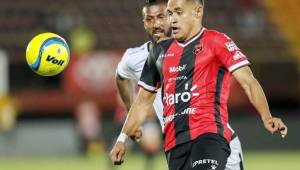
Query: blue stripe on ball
[55, 40]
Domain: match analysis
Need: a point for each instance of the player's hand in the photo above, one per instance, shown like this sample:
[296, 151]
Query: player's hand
[117, 153]
[137, 135]
[275, 125]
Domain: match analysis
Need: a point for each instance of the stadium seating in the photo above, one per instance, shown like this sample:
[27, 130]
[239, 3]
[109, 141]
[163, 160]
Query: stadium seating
[118, 25]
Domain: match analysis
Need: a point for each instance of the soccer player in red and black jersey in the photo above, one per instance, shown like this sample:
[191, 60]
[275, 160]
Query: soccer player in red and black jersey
[194, 70]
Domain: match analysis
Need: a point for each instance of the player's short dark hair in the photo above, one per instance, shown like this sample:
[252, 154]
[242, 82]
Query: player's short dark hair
[154, 2]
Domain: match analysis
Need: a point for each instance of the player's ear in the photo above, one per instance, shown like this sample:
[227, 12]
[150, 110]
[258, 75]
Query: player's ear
[198, 11]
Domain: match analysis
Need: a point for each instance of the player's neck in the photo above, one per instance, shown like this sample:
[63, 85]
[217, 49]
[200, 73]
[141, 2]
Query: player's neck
[191, 38]
[193, 33]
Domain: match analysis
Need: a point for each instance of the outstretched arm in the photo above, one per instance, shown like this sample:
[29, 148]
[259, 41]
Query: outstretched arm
[258, 99]
[137, 114]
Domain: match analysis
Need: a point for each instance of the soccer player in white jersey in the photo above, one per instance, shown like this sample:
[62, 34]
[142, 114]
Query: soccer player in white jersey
[131, 65]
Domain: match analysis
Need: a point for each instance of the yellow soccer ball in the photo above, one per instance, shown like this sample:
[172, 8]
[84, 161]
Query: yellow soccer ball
[47, 54]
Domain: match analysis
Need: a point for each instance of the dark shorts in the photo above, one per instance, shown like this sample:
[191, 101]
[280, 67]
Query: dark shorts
[207, 152]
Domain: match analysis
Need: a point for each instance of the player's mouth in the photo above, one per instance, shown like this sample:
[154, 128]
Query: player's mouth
[175, 30]
[158, 32]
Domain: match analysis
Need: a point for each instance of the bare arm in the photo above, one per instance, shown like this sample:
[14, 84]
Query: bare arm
[141, 107]
[126, 90]
[258, 99]
[137, 114]
[253, 90]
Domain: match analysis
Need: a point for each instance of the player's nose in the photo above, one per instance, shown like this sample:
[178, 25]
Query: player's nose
[173, 20]
[157, 23]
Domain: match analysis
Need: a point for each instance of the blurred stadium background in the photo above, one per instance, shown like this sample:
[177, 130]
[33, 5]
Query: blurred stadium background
[41, 120]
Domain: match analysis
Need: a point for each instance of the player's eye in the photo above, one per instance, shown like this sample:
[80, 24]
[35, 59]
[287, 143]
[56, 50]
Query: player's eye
[161, 16]
[148, 19]
[179, 12]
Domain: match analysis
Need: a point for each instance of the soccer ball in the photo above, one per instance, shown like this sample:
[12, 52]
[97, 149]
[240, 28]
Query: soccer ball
[47, 54]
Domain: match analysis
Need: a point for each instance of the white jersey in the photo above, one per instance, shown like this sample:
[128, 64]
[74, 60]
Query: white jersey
[131, 67]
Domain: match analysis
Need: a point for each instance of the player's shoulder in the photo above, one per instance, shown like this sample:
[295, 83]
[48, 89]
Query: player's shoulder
[160, 48]
[166, 42]
[163, 45]
[137, 50]
[216, 35]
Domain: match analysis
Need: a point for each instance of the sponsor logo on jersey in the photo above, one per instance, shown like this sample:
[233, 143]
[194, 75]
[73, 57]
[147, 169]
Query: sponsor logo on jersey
[238, 55]
[185, 96]
[177, 69]
[231, 46]
[177, 78]
[170, 55]
[214, 163]
[161, 55]
[187, 111]
[198, 48]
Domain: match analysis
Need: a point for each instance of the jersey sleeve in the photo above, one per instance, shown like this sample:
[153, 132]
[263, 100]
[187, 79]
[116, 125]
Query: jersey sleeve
[123, 68]
[229, 54]
[150, 78]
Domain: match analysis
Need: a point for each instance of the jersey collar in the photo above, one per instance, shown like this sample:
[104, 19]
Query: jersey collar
[147, 45]
[192, 39]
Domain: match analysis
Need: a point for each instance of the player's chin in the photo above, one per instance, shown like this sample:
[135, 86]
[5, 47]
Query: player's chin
[158, 37]
[178, 37]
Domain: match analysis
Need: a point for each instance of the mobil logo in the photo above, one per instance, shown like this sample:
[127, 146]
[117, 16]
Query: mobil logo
[177, 69]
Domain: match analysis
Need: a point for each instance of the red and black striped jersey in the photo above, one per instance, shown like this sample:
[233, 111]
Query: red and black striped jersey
[195, 81]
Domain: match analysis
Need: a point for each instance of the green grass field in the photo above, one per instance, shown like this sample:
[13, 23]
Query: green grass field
[282, 160]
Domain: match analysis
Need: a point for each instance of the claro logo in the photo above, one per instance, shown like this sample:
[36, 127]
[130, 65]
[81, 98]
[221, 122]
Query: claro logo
[177, 69]
[184, 96]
